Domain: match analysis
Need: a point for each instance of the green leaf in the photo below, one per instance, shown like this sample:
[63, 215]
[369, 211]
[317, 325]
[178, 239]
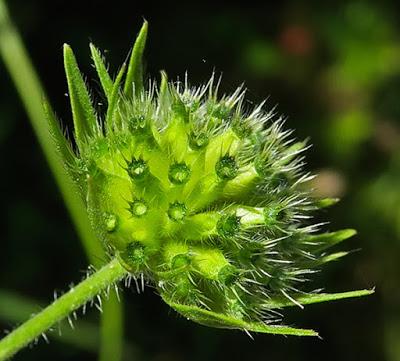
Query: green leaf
[105, 79]
[135, 69]
[83, 114]
[112, 105]
[316, 298]
[326, 240]
[213, 319]
[327, 202]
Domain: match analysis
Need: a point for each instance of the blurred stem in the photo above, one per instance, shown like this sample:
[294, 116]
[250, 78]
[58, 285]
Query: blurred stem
[31, 91]
[392, 332]
[111, 330]
[61, 308]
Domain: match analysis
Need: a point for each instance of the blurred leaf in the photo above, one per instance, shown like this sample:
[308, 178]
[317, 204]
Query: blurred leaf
[327, 202]
[262, 58]
[347, 132]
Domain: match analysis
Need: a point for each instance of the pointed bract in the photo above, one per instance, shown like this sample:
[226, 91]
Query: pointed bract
[104, 76]
[83, 113]
[113, 99]
[327, 202]
[62, 144]
[214, 319]
[328, 240]
[308, 299]
[134, 76]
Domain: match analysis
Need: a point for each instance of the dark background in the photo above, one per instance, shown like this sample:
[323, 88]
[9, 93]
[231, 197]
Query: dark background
[333, 69]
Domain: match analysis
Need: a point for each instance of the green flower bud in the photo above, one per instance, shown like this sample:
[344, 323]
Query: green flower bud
[203, 197]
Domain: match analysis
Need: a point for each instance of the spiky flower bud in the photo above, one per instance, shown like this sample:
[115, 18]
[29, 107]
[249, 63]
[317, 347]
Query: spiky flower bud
[202, 197]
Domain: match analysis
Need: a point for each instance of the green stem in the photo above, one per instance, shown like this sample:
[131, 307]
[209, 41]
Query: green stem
[61, 308]
[31, 91]
[111, 330]
[15, 309]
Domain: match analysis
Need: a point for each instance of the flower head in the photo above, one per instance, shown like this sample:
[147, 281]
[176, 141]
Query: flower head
[200, 195]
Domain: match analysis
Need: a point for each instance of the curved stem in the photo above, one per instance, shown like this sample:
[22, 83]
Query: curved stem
[31, 91]
[61, 308]
[15, 309]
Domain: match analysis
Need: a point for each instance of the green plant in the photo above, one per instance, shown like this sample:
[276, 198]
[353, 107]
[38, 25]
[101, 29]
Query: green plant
[193, 193]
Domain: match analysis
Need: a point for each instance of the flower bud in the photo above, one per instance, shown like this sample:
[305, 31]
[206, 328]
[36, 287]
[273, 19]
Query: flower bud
[203, 197]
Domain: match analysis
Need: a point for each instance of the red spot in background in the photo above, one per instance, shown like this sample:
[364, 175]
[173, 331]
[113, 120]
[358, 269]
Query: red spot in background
[296, 40]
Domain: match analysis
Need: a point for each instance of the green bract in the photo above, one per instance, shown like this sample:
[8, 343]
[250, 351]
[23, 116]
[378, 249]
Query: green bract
[198, 195]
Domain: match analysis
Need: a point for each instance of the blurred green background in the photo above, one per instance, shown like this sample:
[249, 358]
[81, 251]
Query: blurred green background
[332, 68]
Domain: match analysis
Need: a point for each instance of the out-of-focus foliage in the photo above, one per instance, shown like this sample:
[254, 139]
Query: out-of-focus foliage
[333, 69]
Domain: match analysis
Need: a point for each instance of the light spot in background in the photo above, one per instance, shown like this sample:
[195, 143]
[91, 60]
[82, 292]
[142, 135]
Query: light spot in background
[329, 183]
[387, 136]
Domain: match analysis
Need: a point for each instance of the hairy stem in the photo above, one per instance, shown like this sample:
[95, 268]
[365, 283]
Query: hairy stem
[15, 309]
[61, 308]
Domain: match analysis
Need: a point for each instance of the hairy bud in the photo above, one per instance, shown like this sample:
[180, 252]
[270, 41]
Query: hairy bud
[202, 196]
